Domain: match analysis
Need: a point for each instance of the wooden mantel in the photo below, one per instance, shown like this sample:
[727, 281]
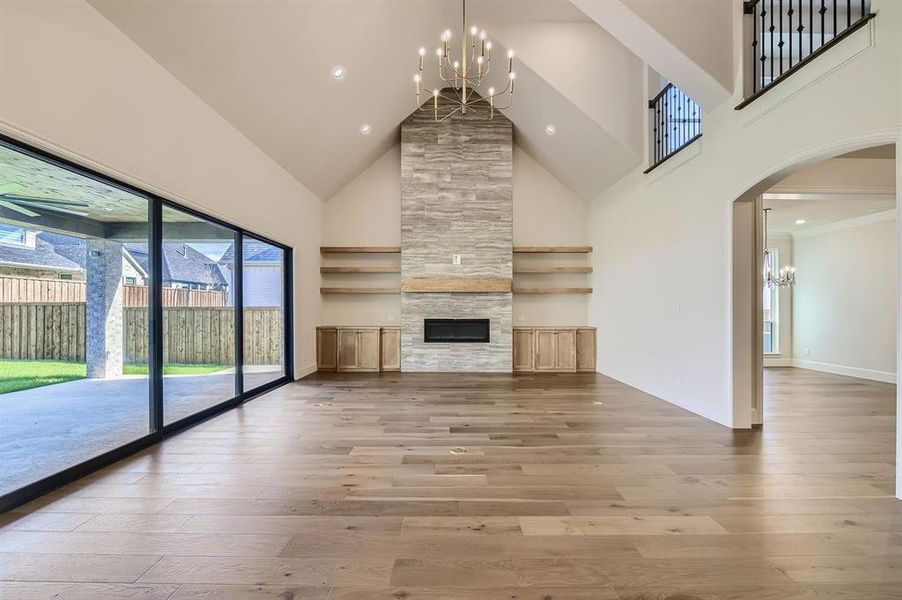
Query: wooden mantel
[464, 285]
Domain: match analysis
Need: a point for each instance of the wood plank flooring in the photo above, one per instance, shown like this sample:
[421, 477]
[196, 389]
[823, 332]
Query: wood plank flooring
[480, 487]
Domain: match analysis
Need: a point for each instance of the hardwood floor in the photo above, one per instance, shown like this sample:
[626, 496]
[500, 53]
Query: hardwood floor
[441, 487]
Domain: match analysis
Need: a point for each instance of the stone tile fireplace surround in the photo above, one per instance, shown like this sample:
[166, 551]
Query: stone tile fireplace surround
[456, 199]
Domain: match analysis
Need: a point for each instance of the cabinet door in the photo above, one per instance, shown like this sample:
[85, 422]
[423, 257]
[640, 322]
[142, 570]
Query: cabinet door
[546, 350]
[368, 349]
[565, 352]
[347, 350]
[524, 350]
[326, 349]
[391, 349]
[585, 350]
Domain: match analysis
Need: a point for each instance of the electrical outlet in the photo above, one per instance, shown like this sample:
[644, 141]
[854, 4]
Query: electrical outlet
[455, 259]
[391, 318]
[807, 352]
[521, 318]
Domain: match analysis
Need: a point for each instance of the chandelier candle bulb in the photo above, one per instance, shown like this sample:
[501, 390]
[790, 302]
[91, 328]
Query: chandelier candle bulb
[465, 75]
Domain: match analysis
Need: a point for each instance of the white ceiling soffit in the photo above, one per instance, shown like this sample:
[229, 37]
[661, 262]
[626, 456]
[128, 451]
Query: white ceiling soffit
[689, 43]
[266, 66]
[581, 154]
[832, 191]
[588, 67]
[798, 214]
[841, 176]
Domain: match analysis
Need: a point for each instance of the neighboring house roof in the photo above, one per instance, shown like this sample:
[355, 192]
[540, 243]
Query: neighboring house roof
[73, 248]
[181, 263]
[42, 256]
[254, 252]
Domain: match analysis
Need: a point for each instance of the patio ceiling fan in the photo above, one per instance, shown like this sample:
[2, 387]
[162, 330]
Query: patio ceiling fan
[20, 203]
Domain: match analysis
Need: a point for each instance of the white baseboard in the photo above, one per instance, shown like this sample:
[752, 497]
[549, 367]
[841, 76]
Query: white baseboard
[305, 370]
[777, 362]
[884, 376]
[708, 411]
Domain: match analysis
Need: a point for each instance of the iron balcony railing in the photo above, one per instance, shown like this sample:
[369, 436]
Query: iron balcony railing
[787, 34]
[676, 122]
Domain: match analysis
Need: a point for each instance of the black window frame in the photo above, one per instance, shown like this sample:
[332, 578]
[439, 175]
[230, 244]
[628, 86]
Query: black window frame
[157, 431]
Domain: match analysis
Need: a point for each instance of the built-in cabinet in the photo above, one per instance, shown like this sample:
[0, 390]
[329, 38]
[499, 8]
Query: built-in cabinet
[327, 349]
[391, 349]
[536, 349]
[358, 349]
[554, 349]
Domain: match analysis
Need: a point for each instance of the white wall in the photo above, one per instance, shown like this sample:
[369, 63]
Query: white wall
[367, 213]
[73, 84]
[547, 213]
[663, 241]
[845, 301]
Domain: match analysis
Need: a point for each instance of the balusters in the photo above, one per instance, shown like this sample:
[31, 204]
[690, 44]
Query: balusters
[779, 30]
[675, 123]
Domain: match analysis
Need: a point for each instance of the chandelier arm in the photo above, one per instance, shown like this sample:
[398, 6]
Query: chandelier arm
[453, 69]
[480, 115]
[448, 116]
[495, 95]
[509, 104]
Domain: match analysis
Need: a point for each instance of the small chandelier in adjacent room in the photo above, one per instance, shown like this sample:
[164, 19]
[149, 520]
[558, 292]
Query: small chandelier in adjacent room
[464, 76]
[785, 276]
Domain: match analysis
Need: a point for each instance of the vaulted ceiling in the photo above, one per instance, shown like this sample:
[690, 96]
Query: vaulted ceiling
[266, 67]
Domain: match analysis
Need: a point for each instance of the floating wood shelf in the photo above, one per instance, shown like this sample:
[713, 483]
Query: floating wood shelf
[552, 249]
[550, 270]
[476, 285]
[553, 290]
[358, 290]
[360, 249]
[360, 269]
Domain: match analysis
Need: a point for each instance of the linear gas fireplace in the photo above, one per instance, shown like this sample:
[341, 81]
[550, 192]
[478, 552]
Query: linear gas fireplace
[456, 330]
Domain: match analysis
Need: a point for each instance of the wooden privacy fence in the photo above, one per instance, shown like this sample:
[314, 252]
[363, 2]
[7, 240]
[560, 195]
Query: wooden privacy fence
[43, 331]
[35, 290]
[56, 331]
[136, 295]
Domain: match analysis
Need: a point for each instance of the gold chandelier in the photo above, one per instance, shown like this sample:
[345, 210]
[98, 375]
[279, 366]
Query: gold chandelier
[786, 276]
[463, 77]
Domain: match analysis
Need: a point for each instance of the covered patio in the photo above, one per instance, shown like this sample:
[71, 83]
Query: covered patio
[46, 429]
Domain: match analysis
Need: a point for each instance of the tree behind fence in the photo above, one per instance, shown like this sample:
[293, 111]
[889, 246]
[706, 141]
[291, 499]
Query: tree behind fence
[192, 335]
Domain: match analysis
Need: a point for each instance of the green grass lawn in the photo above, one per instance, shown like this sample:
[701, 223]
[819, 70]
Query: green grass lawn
[16, 375]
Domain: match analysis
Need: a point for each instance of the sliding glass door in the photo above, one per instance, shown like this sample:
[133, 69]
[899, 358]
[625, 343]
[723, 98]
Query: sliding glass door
[123, 317]
[198, 315]
[70, 388]
[263, 269]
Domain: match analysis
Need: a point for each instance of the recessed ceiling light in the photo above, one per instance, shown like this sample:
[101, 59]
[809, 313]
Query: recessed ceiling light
[338, 72]
[549, 130]
[800, 221]
[365, 129]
